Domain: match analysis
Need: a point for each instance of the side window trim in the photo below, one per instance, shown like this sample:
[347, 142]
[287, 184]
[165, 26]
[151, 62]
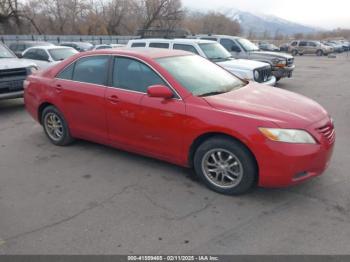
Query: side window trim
[74, 63]
[110, 82]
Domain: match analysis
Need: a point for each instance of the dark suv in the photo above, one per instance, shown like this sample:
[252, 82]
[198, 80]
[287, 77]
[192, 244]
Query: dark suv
[13, 72]
[19, 47]
[282, 64]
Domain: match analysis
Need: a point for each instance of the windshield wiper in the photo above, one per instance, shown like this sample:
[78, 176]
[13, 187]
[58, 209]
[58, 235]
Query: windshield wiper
[212, 93]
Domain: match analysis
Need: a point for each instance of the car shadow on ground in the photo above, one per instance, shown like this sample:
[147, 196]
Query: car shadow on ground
[11, 106]
[185, 175]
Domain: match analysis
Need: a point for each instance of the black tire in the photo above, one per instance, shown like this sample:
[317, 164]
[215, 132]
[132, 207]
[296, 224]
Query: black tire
[294, 52]
[246, 164]
[319, 53]
[65, 138]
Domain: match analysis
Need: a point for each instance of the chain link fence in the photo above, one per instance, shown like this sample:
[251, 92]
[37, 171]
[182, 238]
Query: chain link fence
[56, 39]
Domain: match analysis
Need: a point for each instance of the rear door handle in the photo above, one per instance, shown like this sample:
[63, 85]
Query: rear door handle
[113, 99]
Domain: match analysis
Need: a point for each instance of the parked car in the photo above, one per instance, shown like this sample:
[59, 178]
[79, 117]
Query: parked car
[302, 47]
[99, 47]
[184, 109]
[282, 64]
[245, 69]
[46, 56]
[335, 48]
[19, 47]
[117, 45]
[265, 46]
[284, 47]
[13, 71]
[339, 46]
[79, 46]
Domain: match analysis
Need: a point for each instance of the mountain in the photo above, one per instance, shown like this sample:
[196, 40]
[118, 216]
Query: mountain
[261, 24]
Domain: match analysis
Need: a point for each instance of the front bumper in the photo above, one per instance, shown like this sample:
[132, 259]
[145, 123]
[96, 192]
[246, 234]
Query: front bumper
[12, 95]
[271, 82]
[283, 72]
[285, 164]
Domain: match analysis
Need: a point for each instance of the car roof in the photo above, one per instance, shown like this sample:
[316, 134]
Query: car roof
[221, 36]
[49, 47]
[175, 40]
[152, 53]
[77, 43]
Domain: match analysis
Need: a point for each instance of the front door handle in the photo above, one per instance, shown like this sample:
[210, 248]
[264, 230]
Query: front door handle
[58, 88]
[113, 99]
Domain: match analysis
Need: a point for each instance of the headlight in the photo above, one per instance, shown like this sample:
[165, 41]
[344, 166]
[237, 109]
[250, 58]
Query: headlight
[279, 62]
[32, 70]
[288, 135]
[256, 75]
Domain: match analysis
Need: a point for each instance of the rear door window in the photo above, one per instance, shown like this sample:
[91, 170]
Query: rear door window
[91, 70]
[159, 45]
[138, 45]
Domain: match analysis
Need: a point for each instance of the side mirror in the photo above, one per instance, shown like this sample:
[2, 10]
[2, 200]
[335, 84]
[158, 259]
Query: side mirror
[19, 55]
[159, 91]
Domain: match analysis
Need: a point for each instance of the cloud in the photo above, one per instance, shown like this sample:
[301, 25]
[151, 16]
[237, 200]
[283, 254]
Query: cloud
[311, 12]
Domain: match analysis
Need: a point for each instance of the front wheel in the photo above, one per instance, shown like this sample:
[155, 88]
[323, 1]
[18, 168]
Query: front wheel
[55, 126]
[294, 52]
[226, 166]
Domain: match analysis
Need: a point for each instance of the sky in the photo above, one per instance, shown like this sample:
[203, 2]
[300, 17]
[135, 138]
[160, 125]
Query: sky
[327, 14]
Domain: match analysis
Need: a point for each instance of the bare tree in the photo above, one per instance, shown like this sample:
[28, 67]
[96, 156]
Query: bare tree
[160, 13]
[212, 22]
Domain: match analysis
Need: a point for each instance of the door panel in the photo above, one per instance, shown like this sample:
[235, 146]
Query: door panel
[81, 92]
[123, 117]
[84, 106]
[162, 122]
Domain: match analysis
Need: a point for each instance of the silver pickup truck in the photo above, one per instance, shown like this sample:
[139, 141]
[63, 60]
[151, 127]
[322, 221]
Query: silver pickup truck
[282, 64]
[13, 72]
[246, 69]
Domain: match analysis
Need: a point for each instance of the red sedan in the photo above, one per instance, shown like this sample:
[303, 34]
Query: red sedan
[186, 110]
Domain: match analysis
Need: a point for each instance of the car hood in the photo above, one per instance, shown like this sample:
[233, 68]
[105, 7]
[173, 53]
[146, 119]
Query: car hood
[271, 54]
[10, 63]
[242, 64]
[284, 108]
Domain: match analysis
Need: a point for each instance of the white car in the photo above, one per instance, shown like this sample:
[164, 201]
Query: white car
[246, 69]
[46, 56]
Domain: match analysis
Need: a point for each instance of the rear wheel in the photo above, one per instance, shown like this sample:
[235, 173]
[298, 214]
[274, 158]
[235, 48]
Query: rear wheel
[319, 53]
[294, 52]
[55, 126]
[225, 166]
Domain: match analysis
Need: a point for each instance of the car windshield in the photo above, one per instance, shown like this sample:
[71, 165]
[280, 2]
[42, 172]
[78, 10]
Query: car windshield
[200, 76]
[5, 53]
[60, 54]
[215, 51]
[247, 45]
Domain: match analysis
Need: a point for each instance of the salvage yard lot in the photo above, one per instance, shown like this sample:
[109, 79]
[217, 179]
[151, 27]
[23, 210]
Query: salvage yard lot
[91, 199]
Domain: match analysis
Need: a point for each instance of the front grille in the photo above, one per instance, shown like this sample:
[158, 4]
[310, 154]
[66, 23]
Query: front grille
[328, 132]
[265, 74]
[11, 80]
[290, 61]
[13, 72]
